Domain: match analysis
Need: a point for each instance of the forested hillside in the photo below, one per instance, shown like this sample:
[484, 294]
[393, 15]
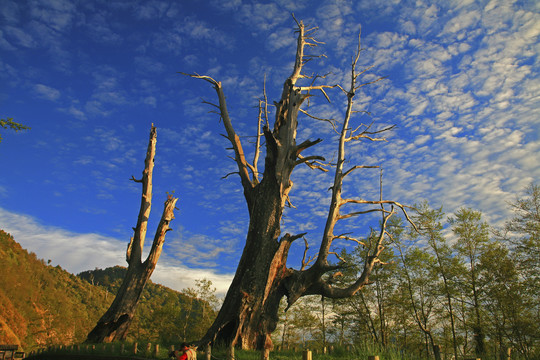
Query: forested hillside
[42, 305]
[163, 316]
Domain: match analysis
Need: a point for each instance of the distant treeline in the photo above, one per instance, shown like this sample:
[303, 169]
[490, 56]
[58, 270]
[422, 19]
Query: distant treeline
[456, 282]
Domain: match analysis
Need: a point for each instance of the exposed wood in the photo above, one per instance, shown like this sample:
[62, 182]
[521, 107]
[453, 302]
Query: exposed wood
[250, 310]
[114, 324]
[231, 134]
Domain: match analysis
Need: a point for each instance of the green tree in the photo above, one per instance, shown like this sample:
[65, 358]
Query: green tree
[168, 317]
[472, 237]
[419, 278]
[358, 311]
[209, 303]
[371, 310]
[300, 323]
[522, 232]
[10, 124]
[504, 301]
[306, 321]
[429, 224]
[281, 335]
[200, 310]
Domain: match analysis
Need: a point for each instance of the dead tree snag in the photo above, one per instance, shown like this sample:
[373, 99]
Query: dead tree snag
[114, 324]
[249, 312]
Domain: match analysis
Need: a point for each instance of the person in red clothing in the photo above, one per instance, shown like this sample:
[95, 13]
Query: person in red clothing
[185, 353]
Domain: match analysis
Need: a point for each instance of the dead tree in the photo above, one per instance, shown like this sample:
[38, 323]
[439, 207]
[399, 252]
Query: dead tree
[114, 324]
[250, 310]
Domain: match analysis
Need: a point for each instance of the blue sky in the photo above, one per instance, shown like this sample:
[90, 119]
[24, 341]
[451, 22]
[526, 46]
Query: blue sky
[89, 77]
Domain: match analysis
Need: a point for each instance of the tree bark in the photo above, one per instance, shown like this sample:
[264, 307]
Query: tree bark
[249, 313]
[114, 324]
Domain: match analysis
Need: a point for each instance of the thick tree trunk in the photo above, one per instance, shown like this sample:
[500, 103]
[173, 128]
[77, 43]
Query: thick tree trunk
[249, 313]
[113, 325]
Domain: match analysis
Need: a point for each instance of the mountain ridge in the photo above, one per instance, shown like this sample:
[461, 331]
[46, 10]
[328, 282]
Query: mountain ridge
[42, 305]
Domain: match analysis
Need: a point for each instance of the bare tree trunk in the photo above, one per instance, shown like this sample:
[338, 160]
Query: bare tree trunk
[114, 324]
[250, 310]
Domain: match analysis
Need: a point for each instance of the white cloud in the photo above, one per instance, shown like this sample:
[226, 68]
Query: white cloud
[262, 17]
[422, 139]
[198, 30]
[74, 252]
[281, 38]
[150, 100]
[99, 29]
[227, 5]
[179, 278]
[46, 92]
[19, 37]
[74, 111]
[465, 20]
[419, 107]
[4, 44]
[56, 14]
[77, 252]
[408, 27]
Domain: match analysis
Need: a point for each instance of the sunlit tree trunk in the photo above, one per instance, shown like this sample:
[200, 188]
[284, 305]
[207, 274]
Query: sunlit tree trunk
[114, 324]
[250, 310]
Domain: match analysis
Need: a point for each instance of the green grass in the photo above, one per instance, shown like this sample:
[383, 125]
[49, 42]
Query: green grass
[221, 354]
[338, 353]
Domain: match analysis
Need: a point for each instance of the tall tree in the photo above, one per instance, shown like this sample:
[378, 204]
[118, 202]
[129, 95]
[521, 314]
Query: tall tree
[250, 310]
[472, 237]
[504, 301]
[417, 267]
[360, 311]
[523, 233]
[430, 226]
[113, 325]
[200, 309]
